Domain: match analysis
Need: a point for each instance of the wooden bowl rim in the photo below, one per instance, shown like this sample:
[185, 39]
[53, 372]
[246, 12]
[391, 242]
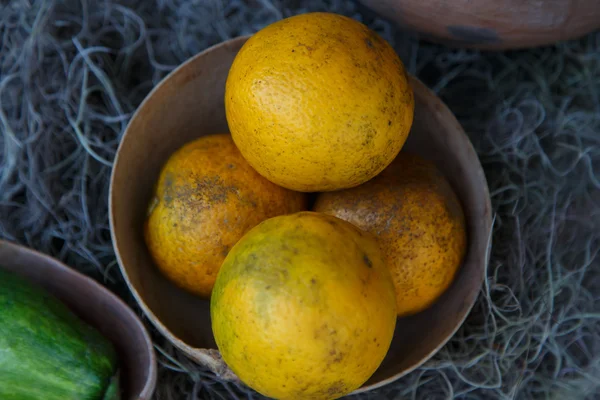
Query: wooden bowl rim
[208, 356]
[516, 28]
[61, 268]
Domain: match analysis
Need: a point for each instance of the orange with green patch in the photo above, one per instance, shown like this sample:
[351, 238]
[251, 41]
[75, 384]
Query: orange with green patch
[304, 307]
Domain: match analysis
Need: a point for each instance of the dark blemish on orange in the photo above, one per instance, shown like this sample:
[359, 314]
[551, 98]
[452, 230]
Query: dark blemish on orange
[313, 281]
[304, 388]
[225, 251]
[168, 180]
[369, 43]
[369, 138]
[211, 190]
[367, 261]
[231, 166]
[310, 49]
[336, 356]
[323, 329]
[389, 123]
[336, 388]
[364, 282]
[168, 188]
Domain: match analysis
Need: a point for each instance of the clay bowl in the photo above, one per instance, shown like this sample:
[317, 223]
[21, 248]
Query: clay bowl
[98, 307]
[189, 103]
[493, 24]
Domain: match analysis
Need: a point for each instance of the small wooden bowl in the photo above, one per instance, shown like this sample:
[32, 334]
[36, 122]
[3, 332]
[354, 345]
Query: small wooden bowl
[98, 307]
[190, 103]
[493, 24]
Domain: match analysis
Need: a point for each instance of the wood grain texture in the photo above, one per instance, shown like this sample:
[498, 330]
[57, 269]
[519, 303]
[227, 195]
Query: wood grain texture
[190, 103]
[490, 24]
[98, 307]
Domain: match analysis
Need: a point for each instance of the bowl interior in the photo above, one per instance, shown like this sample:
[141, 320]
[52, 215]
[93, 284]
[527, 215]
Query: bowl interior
[190, 103]
[96, 306]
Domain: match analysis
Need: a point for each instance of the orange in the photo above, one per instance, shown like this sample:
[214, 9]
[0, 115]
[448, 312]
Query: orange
[206, 198]
[318, 102]
[418, 219]
[304, 307]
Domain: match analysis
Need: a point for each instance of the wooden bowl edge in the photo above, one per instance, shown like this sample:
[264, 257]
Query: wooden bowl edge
[150, 384]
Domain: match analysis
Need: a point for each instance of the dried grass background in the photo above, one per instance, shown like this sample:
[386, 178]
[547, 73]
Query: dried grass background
[72, 73]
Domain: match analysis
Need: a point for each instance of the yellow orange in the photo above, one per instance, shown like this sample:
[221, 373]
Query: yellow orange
[304, 307]
[206, 198]
[318, 102]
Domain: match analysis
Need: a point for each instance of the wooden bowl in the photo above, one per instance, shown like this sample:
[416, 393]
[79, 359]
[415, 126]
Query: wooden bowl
[493, 24]
[98, 307]
[189, 103]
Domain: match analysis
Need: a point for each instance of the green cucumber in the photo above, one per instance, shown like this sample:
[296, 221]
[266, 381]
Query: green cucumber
[46, 351]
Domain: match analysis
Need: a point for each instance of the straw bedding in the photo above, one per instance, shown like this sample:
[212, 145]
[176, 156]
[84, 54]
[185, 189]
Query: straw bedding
[72, 73]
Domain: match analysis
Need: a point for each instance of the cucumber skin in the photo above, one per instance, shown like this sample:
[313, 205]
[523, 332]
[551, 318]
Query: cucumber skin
[46, 351]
